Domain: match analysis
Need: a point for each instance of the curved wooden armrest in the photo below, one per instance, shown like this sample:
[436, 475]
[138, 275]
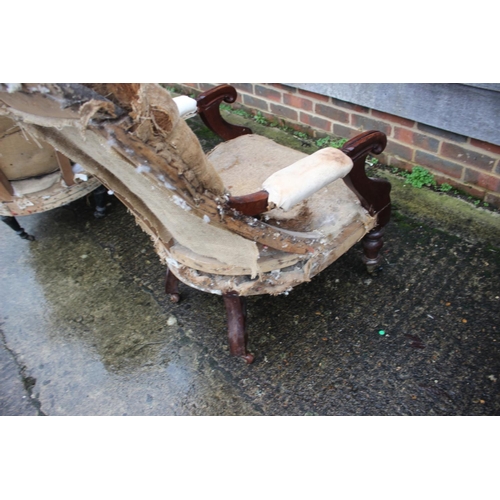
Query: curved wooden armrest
[374, 194]
[209, 111]
[250, 204]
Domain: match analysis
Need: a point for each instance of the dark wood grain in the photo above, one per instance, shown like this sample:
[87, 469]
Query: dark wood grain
[209, 110]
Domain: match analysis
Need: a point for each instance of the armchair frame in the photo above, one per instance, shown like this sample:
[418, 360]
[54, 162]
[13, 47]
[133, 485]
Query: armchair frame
[109, 136]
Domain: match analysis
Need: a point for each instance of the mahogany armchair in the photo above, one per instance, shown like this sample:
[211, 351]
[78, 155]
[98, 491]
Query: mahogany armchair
[251, 217]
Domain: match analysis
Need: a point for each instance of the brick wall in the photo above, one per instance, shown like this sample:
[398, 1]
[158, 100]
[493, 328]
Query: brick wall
[467, 164]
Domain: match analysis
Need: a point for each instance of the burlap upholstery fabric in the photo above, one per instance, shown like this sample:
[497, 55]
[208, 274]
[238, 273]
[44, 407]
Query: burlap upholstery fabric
[20, 156]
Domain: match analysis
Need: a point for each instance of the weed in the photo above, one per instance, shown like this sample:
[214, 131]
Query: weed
[445, 187]
[420, 177]
[301, 135]
[337, 143]
[242, 112]
[323, 142]
[329, 142]
[371, 161]
[260, 118]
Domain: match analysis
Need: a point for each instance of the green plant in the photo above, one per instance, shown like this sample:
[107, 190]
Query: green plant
[260, 118]
[323, 142]
[371, 161]
[329, 142]
[445, 187]
[420, 177]
[300, 135]
[337, 143]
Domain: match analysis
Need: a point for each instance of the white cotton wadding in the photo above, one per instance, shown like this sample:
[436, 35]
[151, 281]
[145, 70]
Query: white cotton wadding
[206, 219]
[172, 262]
[143, 168]
[111, 193]
[169, 186]
[187, 106]
[77, 168]
[181, 203]
[82, 177]
[13, 87]
[42, 89]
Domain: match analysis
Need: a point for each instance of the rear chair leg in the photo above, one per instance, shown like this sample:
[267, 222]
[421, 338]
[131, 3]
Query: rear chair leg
[236, 322]
[100, 202]
[172, 286]
[372, 244]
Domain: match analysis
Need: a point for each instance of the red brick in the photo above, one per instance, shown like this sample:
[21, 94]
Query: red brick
[394, 148]
[344, 131]
[243, 87]
[207, 86]
[492, 199]
[185, 87]
[286, 88]
[439, 164]
[392, 118]
[297, 102]
[492, 148]
[366, 123]
[451, 136]
[350, 106]
[267, 93]
[482, 179]
[253, 102]
[394, 161]
[283, 111]
[471, 190]
[313, 95]
[415, 139]
[316, 122]
[467, 156]
[332, 113]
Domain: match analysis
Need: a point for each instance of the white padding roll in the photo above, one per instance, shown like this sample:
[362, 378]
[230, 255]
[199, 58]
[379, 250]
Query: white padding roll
[187, 106]
[295, 183]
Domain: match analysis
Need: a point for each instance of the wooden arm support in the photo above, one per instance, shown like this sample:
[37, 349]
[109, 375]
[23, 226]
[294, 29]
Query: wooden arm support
[209, 110]
[372, 193]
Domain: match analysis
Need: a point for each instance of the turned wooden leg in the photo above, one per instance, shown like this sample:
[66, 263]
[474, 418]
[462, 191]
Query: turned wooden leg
[100, 202]
[172, 286]
[372, 244]
[236, 322]
[13, 224]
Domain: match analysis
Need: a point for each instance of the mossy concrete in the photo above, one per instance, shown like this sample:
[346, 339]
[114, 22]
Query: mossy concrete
[444, 211]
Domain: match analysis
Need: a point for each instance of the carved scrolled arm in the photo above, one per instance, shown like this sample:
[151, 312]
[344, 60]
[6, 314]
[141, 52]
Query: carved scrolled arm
[209, 110]
[365, 143]
[374, 194]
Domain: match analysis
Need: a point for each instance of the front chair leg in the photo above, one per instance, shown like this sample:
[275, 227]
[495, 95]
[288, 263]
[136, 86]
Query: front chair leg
[236, 322]
[172, 286]
[372, 244]
[12, 223]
